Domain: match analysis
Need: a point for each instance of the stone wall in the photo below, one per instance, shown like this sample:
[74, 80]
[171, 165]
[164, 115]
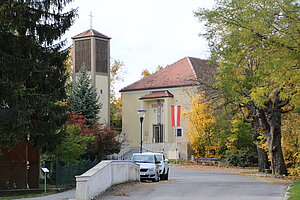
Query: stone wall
[102, 176]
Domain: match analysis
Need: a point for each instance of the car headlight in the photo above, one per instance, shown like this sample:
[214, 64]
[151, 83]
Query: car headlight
[151, 169]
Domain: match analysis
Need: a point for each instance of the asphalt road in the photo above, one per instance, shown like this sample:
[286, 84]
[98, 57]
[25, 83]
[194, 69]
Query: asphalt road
[192, 184]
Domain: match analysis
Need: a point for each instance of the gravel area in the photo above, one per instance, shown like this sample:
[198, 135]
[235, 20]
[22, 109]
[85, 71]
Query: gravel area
[267, 178]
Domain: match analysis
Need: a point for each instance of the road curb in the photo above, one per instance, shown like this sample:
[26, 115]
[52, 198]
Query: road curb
[286, 196]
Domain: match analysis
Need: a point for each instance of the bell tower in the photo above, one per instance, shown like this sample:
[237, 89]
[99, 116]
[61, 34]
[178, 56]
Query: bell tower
[92, 50]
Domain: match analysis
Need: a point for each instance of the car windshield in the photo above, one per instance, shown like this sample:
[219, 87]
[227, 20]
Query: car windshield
[143, 158]
[159, 158]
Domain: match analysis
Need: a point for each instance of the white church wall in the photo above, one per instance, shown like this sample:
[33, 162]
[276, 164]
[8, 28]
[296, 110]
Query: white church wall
[102, 88]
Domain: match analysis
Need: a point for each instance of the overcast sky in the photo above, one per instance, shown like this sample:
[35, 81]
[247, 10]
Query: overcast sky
[145, 33]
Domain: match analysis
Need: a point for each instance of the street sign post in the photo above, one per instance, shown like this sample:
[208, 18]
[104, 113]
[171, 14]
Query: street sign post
[45, 170]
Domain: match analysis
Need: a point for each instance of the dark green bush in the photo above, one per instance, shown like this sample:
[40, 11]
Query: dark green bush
[241, 158]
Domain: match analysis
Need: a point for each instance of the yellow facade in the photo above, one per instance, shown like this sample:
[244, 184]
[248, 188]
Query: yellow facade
[158, 113]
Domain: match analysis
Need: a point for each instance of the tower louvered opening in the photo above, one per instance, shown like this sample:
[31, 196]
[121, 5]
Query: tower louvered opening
[102, 56]
[83, 54]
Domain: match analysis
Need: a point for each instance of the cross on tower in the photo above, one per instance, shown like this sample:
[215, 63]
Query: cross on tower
[91, 20]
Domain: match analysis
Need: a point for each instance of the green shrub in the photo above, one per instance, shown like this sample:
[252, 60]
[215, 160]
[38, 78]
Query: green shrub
[241, 158]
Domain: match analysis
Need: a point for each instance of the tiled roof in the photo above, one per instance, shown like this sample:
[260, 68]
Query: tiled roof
[204, 70]
[185, 72]
[157, 94]
[90, 33]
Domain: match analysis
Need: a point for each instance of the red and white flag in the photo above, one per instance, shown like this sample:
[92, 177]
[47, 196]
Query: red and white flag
[175, 115]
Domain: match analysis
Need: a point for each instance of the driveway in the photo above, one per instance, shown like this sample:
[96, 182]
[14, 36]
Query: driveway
[197, 183]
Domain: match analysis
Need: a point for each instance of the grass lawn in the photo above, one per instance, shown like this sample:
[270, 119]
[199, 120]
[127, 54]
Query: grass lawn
[26, 196]
[295, 191]
[33, 194]
[42, 193]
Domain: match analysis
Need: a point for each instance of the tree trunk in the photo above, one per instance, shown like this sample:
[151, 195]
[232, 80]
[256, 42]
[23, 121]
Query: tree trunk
[263, 162]
[273, 119]
[274, 144]
[262, 157]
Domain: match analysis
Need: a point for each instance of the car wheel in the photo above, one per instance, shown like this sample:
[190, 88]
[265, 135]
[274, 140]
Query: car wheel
[157, 177]
[162, 176]
[166, 176]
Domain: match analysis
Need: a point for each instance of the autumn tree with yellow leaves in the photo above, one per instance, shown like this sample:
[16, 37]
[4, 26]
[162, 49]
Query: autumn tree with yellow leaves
[219, 132]
[146, 72]
[256, 46]
[201, 136]
[117, 72]
[291, 141]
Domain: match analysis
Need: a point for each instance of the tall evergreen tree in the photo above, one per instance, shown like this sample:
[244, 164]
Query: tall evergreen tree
[84, 100]
[32, 71]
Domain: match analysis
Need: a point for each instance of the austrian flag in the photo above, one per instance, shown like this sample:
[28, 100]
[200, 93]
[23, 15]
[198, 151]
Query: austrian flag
[175, 115]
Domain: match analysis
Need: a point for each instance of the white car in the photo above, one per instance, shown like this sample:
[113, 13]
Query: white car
[149, 165]
[163, 166]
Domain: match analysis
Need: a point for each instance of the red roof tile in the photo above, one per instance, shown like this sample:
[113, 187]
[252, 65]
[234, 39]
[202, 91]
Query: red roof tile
[90, 33]
[184, 72]
[157, 94]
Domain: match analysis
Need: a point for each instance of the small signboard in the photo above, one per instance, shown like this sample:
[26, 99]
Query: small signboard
[45, 170]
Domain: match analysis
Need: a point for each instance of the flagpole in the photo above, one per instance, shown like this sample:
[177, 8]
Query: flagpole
[176, 126]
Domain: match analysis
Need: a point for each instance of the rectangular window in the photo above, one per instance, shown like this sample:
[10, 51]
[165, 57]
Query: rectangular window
[178, 132]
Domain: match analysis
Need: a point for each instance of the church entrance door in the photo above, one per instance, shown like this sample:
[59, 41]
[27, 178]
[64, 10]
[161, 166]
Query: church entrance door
[158, 136]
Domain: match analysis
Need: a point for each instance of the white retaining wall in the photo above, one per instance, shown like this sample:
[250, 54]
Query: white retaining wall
[102, 176]
[169, 149]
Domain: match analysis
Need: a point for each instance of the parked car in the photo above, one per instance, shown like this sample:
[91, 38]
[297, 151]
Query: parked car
[163, 166]
[149, 165]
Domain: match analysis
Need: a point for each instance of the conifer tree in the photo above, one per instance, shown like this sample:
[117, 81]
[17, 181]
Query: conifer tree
[32, 71]
[84, 100]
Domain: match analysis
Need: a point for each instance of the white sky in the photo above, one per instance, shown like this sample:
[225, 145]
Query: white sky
[145, 33]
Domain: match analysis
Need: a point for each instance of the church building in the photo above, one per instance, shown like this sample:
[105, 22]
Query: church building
[92, 50]
[162, 94]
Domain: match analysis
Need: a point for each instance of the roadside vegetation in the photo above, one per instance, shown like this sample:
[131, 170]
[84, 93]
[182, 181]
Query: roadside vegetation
[26, 196]
[294, 192]
[84, 137]
[250, 114]
[41, 104]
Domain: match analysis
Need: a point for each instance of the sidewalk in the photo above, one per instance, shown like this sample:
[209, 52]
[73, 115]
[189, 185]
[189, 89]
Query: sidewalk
[67, 195]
